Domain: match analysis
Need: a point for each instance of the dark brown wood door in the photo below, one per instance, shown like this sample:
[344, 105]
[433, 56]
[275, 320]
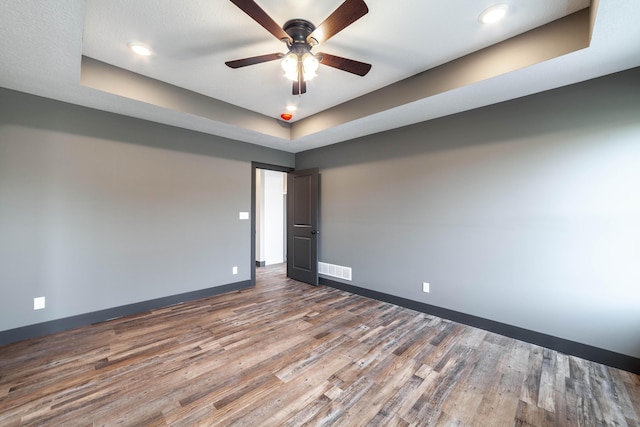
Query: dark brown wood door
[302, 226]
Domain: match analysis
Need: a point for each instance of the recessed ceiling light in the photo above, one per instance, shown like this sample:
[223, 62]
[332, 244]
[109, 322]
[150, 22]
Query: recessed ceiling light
[291, 108]
[493, 14]
[140, 49]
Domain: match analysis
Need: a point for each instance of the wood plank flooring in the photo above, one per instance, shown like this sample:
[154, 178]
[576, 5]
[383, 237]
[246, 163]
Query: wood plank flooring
[290, 354]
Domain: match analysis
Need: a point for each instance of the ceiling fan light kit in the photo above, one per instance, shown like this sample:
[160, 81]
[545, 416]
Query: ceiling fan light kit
[299, 63]
[299, 59]
[293, 61]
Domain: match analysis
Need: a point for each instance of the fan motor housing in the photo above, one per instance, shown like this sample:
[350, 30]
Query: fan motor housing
[298, 29]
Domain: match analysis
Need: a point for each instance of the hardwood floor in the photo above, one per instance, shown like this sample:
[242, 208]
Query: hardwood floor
[289, 354]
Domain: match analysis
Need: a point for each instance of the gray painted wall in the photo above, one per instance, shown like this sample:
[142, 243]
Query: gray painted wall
[526, 212]
[99, 210]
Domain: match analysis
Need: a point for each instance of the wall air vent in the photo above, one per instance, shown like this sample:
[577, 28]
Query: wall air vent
[334, 271]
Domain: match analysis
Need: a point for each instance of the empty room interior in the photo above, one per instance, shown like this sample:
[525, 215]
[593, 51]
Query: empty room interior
[287, 213]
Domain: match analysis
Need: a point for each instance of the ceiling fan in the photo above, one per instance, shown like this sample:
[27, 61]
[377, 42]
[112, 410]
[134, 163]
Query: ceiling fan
[301, 36]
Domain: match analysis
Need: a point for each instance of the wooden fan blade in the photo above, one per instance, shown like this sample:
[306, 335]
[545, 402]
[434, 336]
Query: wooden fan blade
[346, 14]
[344, 64]
[254, 60]
[260, 16]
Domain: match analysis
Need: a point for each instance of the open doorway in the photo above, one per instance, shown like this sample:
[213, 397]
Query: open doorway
[271, 217]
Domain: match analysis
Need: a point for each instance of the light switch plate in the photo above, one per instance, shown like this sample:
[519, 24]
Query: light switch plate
[38, 303]
[244, 215]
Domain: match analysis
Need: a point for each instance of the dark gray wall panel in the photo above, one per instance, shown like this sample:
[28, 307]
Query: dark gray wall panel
[524, 213]
[99, 210]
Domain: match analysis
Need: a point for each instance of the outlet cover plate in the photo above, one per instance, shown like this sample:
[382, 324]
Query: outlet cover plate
[425, 287]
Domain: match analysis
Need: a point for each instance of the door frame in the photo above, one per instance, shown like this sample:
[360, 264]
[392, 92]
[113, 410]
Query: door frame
[254, 168]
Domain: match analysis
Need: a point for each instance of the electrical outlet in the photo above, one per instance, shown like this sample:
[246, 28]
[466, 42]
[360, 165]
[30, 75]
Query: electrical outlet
[425, 287]
[235, 270]
[38, 303]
